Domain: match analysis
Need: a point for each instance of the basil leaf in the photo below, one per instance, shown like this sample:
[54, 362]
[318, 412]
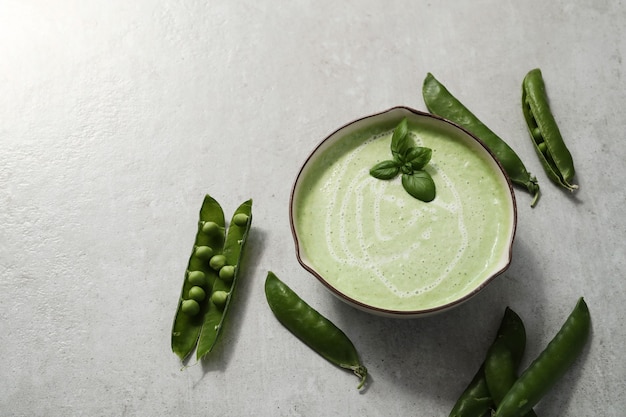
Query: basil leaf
[418, 157]
[409, 161]
[385, 170]
[419, 185]
[400, 139]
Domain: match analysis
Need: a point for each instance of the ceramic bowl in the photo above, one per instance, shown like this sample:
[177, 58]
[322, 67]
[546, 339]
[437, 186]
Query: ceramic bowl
[379, 249]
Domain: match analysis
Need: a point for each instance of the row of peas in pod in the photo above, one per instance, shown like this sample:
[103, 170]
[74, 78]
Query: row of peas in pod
[210, 278]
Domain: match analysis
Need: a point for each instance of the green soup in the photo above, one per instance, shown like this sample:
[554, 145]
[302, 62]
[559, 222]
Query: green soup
[379, 246]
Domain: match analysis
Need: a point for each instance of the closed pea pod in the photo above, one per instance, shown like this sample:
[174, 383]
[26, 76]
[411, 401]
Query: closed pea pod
[191, 309]
[549, 366]
[501, 373]
[316, 331]
[442, 103]
[544, 132]
[477, 399]
[223, 289]
[504, 357]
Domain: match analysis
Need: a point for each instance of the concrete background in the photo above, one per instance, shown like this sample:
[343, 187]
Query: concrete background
[117, 117]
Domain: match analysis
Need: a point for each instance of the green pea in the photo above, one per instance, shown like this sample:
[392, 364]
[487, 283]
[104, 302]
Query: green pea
[441, 102]
[543, 148]
[227, 273]
[210, 228]
[197, 293]
[315, 330]
[217, 262]
[219, 298]
[190, 307]
[196, 278]
[240, 219]
[203, 252]
[536, 133]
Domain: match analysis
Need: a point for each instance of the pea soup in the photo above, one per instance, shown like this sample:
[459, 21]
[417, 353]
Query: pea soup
[374, 243]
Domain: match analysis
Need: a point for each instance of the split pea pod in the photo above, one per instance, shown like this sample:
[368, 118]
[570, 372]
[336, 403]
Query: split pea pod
[442, 103]
[550, 365]
[227, 269]
[544, 132]
[199, 278]
[316, 331]
[477, 399]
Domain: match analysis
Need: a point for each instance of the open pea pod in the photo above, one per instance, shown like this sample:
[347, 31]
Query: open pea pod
[544, 132]
[199, 278]
[227, 266]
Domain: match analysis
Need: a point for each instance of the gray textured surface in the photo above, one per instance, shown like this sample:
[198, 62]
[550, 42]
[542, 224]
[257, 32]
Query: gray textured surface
[116, 117]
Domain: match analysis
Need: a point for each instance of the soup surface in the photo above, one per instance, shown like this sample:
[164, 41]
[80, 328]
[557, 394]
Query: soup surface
[379, 246]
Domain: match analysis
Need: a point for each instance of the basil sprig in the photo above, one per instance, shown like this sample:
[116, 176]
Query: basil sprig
[410, 161]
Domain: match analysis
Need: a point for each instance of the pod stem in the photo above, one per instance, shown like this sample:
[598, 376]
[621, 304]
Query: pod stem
[361, 372]
[533, 187]
[570, 187]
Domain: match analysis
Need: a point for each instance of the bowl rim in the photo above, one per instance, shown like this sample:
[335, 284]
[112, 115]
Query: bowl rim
[384, 311]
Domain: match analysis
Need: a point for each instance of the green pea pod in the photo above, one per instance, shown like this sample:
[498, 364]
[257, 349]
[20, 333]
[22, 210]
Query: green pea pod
[504, 357]
[225, 284]
[442, 103]
[550, 365]
[477, 399]
[544, 132]
[316, 331]
[186, 327]
[501, 374]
